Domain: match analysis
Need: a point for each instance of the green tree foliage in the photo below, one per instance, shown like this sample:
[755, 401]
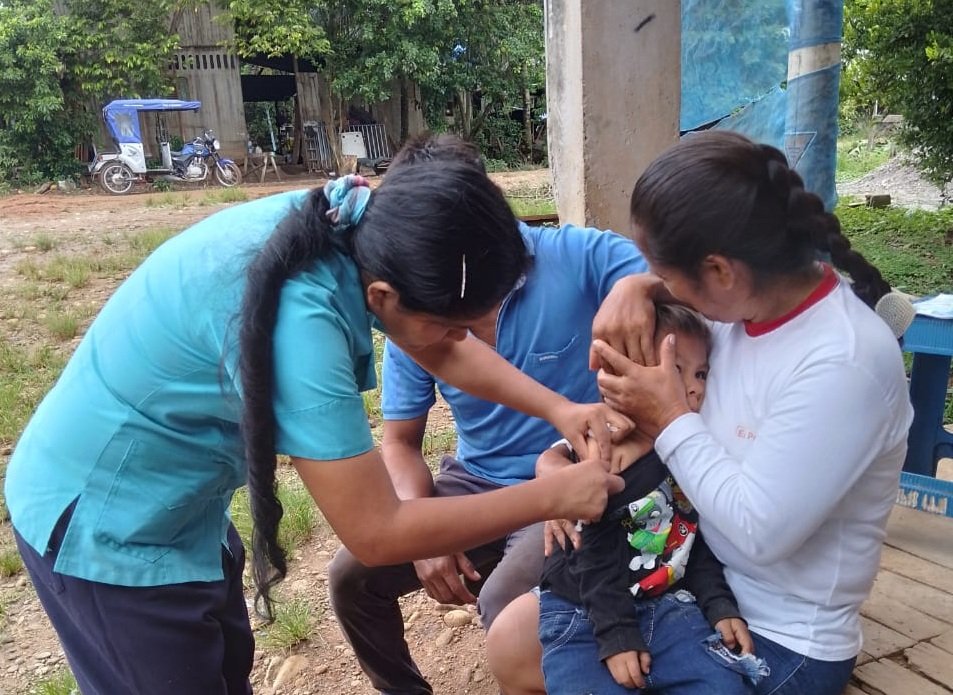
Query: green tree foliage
[494, 51]
[278, 27]
[33, 112]
[60, 60]
[480, 57]
[900, 54]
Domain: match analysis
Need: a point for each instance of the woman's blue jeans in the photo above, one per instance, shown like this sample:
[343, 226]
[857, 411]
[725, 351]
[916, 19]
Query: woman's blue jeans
[795, 674]
[673, 628]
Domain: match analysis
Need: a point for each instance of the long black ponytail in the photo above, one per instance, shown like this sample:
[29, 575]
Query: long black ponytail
[302, 237]
[439, 232]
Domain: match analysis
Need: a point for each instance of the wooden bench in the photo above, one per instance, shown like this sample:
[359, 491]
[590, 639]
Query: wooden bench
[263, 161]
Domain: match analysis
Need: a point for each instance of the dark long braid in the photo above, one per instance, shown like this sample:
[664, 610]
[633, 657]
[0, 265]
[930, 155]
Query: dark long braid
[717, 192]
[416, 230]
[302, 237]
[807, 218]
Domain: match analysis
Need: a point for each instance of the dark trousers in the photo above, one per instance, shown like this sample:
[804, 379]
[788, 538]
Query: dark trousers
[187, 639]
[365, 598]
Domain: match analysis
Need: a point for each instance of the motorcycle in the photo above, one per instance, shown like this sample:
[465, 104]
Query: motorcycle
[193, 161]
[116, 172]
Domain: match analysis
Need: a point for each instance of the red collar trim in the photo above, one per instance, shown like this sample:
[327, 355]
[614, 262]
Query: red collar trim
[824, 288]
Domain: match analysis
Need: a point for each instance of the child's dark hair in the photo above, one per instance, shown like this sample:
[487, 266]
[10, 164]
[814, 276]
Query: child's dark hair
[439, 147]
[718, 192]
[675, 318]
[418, 227]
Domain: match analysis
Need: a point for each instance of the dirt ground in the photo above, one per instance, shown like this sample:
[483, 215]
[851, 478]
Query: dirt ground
[450, 657]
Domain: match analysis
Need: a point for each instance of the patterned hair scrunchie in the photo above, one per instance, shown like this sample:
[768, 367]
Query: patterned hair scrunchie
[348, 197]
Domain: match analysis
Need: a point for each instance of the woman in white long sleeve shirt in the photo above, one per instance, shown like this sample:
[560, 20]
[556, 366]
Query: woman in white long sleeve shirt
[793, 463]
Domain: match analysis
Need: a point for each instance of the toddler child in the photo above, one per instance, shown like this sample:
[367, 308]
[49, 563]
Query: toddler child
[635, 604]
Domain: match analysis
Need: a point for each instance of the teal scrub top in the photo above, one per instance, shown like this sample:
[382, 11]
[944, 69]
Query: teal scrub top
[142, 427]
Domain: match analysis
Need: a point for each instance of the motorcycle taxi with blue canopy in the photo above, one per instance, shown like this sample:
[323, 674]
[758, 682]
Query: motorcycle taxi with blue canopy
[116, 172]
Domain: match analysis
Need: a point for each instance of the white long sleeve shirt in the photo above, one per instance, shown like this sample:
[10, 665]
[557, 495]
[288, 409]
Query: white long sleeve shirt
[793, 466]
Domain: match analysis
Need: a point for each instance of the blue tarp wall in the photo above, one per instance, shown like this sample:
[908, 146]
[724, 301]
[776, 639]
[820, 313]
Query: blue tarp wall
[735, 76]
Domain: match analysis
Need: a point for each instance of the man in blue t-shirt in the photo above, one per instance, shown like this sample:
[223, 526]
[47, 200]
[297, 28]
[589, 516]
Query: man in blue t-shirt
[543, 327]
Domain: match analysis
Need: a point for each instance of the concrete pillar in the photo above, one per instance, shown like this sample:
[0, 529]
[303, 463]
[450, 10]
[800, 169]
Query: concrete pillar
[613, 93]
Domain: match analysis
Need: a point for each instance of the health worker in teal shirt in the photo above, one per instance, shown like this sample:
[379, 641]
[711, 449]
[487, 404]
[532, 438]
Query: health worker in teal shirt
[246, 336]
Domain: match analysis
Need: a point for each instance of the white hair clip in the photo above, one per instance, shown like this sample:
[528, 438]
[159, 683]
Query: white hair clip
[463, 277]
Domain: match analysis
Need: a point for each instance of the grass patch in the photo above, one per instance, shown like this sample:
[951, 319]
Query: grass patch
[224, 195]
[29, 270]
[855, 158]
[63, 325]
[30, 291]
[44, 242]
[526, 207]
[295, 621]
[16, 311]
[912, 248]
[61, 682]
[167, 200]
[300, 517]
[438, 442]
[148, 240]
[372, 405]
[372, 398]
[10, 562]
[4, 512]
[25, 376]
[299, 521]
[240, 512]
[75, 271]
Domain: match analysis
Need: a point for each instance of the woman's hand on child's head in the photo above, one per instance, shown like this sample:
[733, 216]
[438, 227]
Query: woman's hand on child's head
[652, 396]
[626, 320]
[577, 421]
[735, 635]
[629, 668]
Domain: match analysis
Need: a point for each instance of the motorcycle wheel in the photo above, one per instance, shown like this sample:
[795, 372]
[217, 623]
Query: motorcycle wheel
[228, 174]
[116, 178]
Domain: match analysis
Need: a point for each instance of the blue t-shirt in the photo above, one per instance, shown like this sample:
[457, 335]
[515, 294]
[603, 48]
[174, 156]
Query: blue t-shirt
[142, 426]
[544, 329]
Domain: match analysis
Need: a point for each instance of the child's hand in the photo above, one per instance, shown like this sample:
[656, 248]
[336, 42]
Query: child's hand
[627, 668]
[558, 531]
[734, 633]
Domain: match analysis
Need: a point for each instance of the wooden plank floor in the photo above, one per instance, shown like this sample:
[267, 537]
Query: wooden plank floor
[908, 620]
